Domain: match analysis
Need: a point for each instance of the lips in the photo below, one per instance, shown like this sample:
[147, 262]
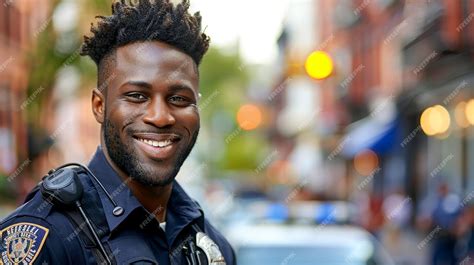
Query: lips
[157, 145]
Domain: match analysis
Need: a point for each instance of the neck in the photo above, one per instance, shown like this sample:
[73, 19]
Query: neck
[153, 199]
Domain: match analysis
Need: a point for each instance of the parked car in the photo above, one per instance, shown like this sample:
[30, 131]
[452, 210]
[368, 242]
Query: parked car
[306, 245]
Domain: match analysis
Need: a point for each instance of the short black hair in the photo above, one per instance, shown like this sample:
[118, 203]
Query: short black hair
[147, 20]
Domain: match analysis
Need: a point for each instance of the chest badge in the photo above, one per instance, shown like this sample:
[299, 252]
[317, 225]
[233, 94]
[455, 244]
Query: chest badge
[214, 255]
[21, 243]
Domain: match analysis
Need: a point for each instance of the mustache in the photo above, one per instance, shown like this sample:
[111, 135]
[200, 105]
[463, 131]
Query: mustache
[155, 130]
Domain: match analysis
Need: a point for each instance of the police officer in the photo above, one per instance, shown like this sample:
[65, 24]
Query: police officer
[125, 207]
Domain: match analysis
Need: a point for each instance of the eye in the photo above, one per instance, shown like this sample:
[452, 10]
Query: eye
[179, 100]
[135, 96]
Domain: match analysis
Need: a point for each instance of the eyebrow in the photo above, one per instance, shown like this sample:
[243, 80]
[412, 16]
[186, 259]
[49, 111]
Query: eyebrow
[139, 84]
[179, 87]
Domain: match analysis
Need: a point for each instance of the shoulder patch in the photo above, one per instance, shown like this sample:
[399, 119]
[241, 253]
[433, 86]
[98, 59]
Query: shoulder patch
[21, 243]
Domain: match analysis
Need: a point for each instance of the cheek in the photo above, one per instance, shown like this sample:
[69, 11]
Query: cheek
[190, 117]
[122, 114]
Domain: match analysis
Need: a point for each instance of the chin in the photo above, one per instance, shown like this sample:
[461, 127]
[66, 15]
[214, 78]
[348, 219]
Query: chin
[155, 182]
[155, 177]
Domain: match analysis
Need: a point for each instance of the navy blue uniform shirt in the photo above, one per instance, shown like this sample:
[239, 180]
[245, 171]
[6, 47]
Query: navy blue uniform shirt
[39, 232]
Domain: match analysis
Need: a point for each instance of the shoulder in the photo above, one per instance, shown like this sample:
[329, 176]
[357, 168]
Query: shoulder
[36, 234]
[30, 240]
[221, 241]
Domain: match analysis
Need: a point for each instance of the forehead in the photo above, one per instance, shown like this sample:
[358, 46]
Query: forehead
[154, 61]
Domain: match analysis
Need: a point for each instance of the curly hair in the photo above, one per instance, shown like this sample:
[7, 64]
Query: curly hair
[147, 20]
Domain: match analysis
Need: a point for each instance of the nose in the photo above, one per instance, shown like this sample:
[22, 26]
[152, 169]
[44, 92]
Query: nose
[159, 114]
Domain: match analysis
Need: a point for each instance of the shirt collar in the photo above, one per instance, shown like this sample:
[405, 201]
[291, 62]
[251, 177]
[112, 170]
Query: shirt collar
[116, 188]
[181, 209]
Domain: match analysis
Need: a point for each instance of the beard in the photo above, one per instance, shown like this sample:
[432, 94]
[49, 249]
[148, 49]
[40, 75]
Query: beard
[126, 159]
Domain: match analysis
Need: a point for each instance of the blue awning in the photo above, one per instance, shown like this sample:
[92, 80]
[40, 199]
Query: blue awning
[370, 133]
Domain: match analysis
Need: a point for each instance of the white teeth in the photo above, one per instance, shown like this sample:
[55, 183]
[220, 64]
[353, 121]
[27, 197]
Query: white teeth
[156, 143]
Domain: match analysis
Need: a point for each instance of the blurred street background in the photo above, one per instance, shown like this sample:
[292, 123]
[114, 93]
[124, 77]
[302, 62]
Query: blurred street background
[347, 117]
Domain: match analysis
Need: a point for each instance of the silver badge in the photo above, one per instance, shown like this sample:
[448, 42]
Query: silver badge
[214, 255]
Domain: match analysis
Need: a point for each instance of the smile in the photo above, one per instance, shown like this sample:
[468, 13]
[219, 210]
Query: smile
[154, 143]
[157, 146]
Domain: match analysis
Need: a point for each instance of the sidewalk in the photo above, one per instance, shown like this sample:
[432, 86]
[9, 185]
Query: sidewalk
[405, 248]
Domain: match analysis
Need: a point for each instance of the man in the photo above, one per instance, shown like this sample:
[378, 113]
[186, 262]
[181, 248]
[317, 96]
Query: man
[147, 56]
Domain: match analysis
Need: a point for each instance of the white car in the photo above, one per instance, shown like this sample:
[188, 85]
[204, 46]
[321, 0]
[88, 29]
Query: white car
[295, 244]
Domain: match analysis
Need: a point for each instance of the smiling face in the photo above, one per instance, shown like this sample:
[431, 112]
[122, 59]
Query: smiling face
[148, 112]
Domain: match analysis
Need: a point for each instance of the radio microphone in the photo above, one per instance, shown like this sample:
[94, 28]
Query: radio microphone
[63, 187]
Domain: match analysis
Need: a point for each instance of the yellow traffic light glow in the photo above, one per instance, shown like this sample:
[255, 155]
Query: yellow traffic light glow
[319, 65]
[470, 111]
[249, 117]
[435, 120]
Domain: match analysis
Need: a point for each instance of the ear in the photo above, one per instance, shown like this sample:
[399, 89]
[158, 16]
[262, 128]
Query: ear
[98, 105]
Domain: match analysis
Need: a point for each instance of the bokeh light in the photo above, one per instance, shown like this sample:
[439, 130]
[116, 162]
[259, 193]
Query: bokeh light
[460, 115]
[249, 117]
[366, 162]
[319, 65]
[435, 120]
[425, 122]
[470, 111]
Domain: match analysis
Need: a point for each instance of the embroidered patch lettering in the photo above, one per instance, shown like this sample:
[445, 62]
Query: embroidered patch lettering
[21, 243]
